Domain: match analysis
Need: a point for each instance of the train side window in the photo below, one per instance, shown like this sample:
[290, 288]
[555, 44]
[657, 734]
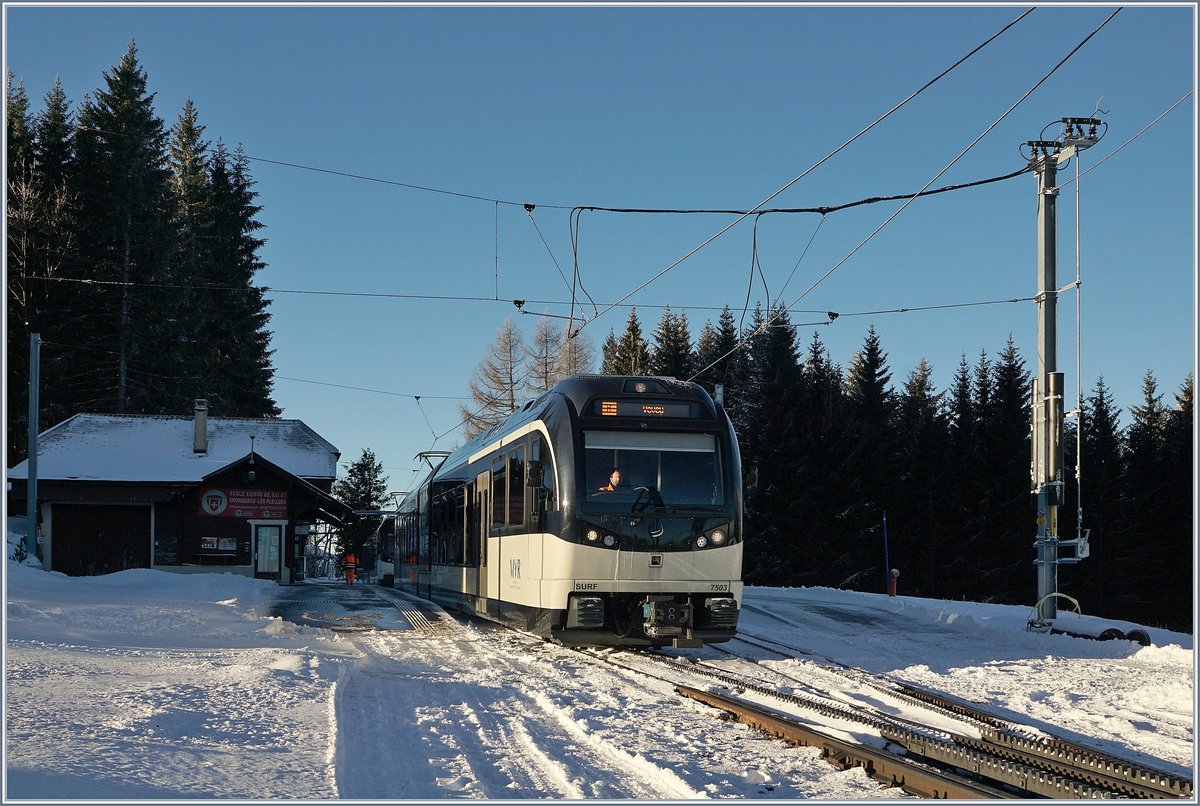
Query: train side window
[516, 490]
[499, 492]
[458, 526]
[541, 454]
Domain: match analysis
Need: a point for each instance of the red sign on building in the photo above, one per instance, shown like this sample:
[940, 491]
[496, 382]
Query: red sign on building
[240, 502]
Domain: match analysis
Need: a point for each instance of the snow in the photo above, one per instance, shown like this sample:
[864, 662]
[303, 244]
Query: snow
[120, 447]
[149, 685]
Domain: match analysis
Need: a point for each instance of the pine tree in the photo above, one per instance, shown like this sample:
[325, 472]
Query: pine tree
[1099, 576]
[1177, 497]
[41, 221]
[771, 508]
[1004, 440]
[498, 384]
[125, 208]
[191, 264]
[1141, 546]
[913, 511]
[870, 458]
[54, 145]
[610, 351]
[718, 360]
[364, 489]
[18, 129]
[632, 353]
[244, 373]
[673, 356]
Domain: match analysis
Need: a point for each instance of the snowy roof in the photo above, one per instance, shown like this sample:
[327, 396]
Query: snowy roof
[127, 447]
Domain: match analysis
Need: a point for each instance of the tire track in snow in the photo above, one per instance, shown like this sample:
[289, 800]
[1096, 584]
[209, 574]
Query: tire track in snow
[436, 712]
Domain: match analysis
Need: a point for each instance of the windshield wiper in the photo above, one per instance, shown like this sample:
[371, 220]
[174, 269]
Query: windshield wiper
[651, 497]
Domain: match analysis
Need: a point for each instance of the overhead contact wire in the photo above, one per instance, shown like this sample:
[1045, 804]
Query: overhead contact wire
[742, 342]
[816, 165]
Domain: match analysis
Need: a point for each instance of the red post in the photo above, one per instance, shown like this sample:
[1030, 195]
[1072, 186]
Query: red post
[893, 580]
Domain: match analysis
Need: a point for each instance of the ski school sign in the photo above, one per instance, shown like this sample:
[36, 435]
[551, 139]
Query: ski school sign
[239, 502]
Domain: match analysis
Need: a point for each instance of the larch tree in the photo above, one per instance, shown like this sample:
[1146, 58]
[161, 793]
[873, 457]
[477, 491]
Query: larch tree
[499, 383]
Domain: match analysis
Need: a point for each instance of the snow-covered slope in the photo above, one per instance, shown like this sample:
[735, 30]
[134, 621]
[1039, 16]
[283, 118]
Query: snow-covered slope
[148, 685]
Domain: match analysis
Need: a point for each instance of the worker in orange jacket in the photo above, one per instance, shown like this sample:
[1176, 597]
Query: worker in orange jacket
[350, 563]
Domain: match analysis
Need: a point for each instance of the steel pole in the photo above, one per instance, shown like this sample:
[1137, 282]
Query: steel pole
[1046, 429]
[31, 519]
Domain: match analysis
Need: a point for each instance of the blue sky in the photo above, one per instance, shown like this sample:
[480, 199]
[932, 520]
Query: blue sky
[666, 107]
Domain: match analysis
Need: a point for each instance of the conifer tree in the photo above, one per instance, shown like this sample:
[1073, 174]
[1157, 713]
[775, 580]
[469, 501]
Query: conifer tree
[673, 357]
[771, 436]
[125, 209]
[41, 223]
[54, 143]
[18, 129]
[718, 361]
[870, 457]
[498, 384]
[917, 532]
[1144, 544]
[364, 488]
[632, 353]
[576, 356]
[610, 354]
[191, 265]
[242, 359]
[1099, 484]
[1177, 513]
[542, 356]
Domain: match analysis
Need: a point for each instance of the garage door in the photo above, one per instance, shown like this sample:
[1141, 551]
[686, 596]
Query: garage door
[89, 540]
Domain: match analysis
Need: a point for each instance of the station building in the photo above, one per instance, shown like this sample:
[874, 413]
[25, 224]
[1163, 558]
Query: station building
[180, 493]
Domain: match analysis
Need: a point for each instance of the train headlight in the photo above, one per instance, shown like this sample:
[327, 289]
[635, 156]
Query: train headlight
[717, 536]
[610, 541]
[592, 535]
[701, 541]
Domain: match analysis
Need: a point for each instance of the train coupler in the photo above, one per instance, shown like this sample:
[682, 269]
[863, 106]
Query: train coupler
[665, 617]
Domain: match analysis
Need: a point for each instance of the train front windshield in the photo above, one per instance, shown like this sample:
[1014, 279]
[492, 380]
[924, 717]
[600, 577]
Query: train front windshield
[634, 471]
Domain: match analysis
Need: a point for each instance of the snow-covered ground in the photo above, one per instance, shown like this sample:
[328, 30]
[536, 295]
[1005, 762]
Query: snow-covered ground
[148, 685]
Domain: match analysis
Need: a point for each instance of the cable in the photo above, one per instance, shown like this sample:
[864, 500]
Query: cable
[742, 342]
[529, 212]
[421, 408]
[1145, 129]
[820, 162]
[812, 238]
[365, 389]
[408, 185]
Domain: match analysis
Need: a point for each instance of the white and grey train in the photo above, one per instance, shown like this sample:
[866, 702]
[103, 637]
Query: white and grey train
[607, 511]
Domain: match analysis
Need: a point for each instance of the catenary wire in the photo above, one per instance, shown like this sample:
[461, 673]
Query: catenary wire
[1117, 150]
[529, 208]
[742, 342]
[816, 165]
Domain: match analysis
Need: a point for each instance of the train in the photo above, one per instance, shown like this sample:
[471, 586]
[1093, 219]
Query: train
[607, 511]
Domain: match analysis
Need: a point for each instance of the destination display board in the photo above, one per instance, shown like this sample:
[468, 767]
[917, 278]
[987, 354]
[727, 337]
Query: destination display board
[643, 408]
[244, 502]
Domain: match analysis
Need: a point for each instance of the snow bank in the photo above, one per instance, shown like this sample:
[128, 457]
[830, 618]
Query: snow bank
[139, 607]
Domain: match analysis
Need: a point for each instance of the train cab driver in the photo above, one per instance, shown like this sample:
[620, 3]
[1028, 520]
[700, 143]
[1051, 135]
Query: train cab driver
[614, 481]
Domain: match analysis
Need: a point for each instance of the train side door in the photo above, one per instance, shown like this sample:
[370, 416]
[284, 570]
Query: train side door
[483, 489]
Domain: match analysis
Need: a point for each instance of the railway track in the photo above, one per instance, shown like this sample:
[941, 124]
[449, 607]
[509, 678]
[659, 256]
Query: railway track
[960, 752]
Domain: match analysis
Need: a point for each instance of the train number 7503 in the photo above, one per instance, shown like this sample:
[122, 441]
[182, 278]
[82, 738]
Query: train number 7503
[719, 586]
